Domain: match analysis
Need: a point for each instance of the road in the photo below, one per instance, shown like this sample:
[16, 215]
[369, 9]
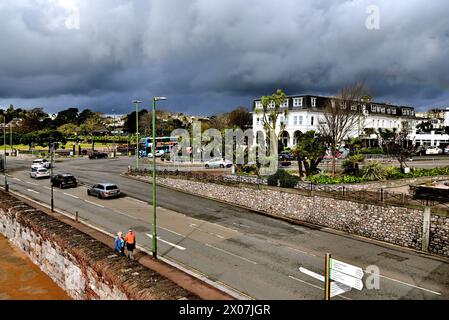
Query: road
[256, 255]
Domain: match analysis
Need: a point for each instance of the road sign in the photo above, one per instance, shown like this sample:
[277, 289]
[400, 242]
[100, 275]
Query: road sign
[346, 279]
[347, 268]
[338, 288]
[312, 274]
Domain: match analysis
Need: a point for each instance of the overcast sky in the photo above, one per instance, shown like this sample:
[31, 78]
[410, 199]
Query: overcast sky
[210, 56]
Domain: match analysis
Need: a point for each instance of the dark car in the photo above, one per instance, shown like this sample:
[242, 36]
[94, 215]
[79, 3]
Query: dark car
[104, 190]
[285, 156]
[98, 155]
[64, 180]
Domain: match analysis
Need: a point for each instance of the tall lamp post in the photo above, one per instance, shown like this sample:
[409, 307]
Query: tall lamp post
[4, 144]
[52, 156]
[137, 102]
[153, 114]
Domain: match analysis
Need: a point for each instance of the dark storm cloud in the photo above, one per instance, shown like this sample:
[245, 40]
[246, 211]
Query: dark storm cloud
[210, 56]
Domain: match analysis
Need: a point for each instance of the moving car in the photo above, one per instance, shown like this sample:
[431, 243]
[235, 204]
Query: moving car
[39, 173]
[104, 190]
[434, 150]
[98, 155]
[38, 163]
[446, 150]
[218, 163]
[64, 180]
[285, 156]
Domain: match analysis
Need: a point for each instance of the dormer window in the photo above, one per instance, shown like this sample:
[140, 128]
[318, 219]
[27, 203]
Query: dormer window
[373, 108]
[313, 102]
[285, 104]
[297, 102]
[258, 104]
[272, 105]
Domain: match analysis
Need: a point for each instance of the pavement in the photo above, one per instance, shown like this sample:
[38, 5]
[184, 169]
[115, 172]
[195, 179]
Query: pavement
[254, 256]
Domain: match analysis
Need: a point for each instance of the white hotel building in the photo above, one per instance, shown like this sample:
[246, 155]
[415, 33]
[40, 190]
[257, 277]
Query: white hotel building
[305, 112]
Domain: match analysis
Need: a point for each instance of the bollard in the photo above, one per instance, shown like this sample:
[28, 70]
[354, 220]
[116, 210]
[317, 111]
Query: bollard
[76, 216]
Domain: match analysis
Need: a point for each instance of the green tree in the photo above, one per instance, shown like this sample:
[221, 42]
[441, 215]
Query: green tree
[240, 118]
[66, 116]
[69, 129]
[93, 125]
[309, 152]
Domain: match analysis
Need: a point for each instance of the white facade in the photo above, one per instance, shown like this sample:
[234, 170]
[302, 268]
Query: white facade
[301, 121]
[446, 117]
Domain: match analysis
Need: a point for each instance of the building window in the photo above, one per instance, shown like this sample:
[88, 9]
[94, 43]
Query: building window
[300, 120]
[388, 110]
[393, 111]
[312, 121]
[383, 110]
[258, 105]
[272, 105]
[258, 121]
[297, 102]
[354, 107]
[373, 108]
[282, 120]
[285, 104]
[313, 102]
[295, 120]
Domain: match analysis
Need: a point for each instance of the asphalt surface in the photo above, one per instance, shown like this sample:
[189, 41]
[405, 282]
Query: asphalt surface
[256, 255]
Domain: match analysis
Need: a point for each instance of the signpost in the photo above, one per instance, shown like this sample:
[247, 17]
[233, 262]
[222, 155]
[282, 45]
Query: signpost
[340, 277]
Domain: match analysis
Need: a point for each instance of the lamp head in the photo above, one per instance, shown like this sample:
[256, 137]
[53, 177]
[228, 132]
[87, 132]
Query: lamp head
[137, 101]
[159, 98]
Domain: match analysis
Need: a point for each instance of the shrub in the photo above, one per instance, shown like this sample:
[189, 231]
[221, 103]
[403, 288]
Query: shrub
[283, 179]
[372, 151]
[351, 165]
[374, 171]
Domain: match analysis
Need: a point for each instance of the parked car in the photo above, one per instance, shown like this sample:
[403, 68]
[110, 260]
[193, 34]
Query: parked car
[38, 163]
[166, 157]
[434, 150]
[98, 155]
[446, 150]
[64, 180]
[104, 190]
[285, 156]
[218, 163]
[160, 153]
[39, 173]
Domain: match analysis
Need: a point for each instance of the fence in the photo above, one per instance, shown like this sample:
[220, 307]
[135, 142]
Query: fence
[379, 197]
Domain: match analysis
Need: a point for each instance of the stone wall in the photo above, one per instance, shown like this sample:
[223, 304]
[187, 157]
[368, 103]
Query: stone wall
[393, 224]
[85, 268]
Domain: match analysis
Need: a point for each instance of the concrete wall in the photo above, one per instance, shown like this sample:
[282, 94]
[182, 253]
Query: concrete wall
[397, 225]
[82, 266]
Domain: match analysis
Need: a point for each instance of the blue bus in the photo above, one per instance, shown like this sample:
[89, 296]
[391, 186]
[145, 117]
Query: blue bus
[163, 145]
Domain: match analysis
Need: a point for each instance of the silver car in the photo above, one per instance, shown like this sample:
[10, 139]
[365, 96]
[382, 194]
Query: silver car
[104, 191]
[39, 173]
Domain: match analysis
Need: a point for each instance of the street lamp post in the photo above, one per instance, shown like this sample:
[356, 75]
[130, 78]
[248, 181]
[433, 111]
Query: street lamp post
[137, 102]
[4, 162]
[154, 173]
[51, 176]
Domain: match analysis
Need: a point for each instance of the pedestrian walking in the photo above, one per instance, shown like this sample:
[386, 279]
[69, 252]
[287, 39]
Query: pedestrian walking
[119, 244]
[130, 240]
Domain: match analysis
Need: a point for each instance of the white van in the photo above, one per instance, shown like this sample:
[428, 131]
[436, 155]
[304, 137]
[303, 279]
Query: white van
[38, 163]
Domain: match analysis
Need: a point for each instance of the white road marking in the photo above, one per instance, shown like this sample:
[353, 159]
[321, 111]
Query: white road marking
[194, 226]
[178, 234]
[30, 190]
[312, 285]
[70, 195]
[169, 243]
[33, 184]
[95, 204]
[137, 200]
[407, 284]
[17, 179]
[304, 252]
[230, 253]
[48, 188]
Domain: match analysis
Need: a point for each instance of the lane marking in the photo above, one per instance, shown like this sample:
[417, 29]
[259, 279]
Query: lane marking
[70, 195]
[17, 179]
[48, 188]
[169, 243]
[317, 287]
[95, 204]
[30, 190]
[230, 253]
[137, 200]
[194, 226]
[33, 184]
[178, 234]
[407, 284]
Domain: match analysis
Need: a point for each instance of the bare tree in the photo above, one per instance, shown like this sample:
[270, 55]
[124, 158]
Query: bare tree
[397, 144]
[342, 116]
